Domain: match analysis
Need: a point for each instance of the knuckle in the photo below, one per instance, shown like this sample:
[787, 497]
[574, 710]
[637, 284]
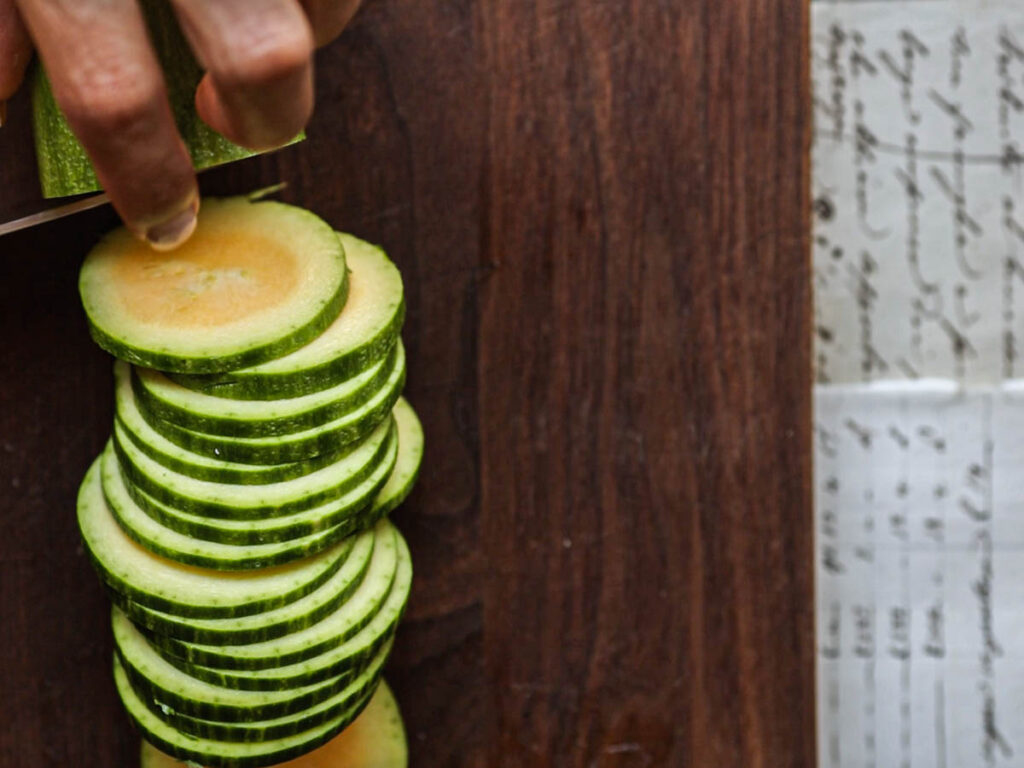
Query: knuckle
[266, 55]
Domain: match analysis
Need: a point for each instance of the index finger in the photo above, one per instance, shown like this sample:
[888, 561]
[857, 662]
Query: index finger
[106, 78]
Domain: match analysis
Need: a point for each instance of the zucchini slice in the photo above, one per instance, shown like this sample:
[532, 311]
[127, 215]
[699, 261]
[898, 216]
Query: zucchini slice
[224, 754]
[162, 398]
[258, 627]
[375, 739]
[318, 638]
[365, 330]
[169, 543]
[331, 437]
[410, 457]
[353, 653]
[164, 585]
[271, 624]
[256, 281]
[253, 502]
[354, 689]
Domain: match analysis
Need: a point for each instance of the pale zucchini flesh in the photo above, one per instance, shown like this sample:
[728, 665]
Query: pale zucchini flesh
[363, 333]
[256, 281]
[165, 585]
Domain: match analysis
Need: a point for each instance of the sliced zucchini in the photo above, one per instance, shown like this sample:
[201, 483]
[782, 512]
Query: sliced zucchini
[298, 646]
[175, 532]
[268, 625]
[190, 464]
[363, 333]
[255, 282]
[297, 446]
[169, 543]
[375, 739]
[355, 690]
[162, 398]
[410, 457]
[354, 653]
[252, 502]
[224, 754]
[164, 585]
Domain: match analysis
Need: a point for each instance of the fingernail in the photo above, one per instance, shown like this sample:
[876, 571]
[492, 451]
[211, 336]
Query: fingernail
[169, 234]
[3, 113]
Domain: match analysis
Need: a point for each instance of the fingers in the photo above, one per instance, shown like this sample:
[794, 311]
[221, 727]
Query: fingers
[15, 52]
[329, 17]
[107, 80]
[258, 90]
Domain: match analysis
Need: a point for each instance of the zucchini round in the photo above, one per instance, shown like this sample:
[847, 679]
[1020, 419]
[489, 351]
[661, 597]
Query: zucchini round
[375, 739]
[363, 333]
[256, 281]
[323, 636]
[331, 437]
[156, 582]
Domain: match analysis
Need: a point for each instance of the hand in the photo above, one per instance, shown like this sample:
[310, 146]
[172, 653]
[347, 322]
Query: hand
[257, 90]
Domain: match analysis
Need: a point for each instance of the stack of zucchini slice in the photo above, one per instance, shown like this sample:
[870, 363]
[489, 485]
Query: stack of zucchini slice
[239, 512]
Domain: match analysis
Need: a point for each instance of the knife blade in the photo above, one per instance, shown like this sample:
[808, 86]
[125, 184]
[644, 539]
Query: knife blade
[52, 214]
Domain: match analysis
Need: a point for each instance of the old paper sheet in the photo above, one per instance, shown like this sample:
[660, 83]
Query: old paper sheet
[919, 445]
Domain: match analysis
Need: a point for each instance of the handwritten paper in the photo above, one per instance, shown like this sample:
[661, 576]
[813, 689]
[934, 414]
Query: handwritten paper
[919, 445]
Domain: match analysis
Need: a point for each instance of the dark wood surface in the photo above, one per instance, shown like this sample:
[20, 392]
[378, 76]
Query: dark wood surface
[600, 209]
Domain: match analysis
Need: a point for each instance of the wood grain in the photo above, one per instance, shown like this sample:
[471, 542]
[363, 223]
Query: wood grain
[600, 209]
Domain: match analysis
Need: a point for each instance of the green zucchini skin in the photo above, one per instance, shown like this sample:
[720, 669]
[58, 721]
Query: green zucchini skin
[125, 589]
[353, 653]
[360, 685]
[64, 167]
[269, 625]
[212, 753]
[156, 407]
[215, 471]
[319, 638]
[300, 446]
[329, 483]
[354, 512]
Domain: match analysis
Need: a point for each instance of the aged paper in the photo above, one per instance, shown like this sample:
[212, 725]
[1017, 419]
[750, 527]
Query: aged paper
[919, 444]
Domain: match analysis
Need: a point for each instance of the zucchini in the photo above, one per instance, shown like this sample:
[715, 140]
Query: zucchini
[190, 464]
[256, 281]
[303, 644]
[353, 653]
[363, 333]
[356, 689]
[375, 739]
[64, 167]
[407, 466]
[161, 398]
[223, 754]
[271, 624]
[164, 585]
[253, 502]
[298, 531]
[297, 446]
[170, 544]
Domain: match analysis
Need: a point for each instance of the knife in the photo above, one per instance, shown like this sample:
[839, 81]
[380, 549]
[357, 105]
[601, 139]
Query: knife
[51, 214]
[95, 201]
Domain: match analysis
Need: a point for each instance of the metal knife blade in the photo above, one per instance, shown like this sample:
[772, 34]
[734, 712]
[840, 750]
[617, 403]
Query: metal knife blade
[51, 214]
